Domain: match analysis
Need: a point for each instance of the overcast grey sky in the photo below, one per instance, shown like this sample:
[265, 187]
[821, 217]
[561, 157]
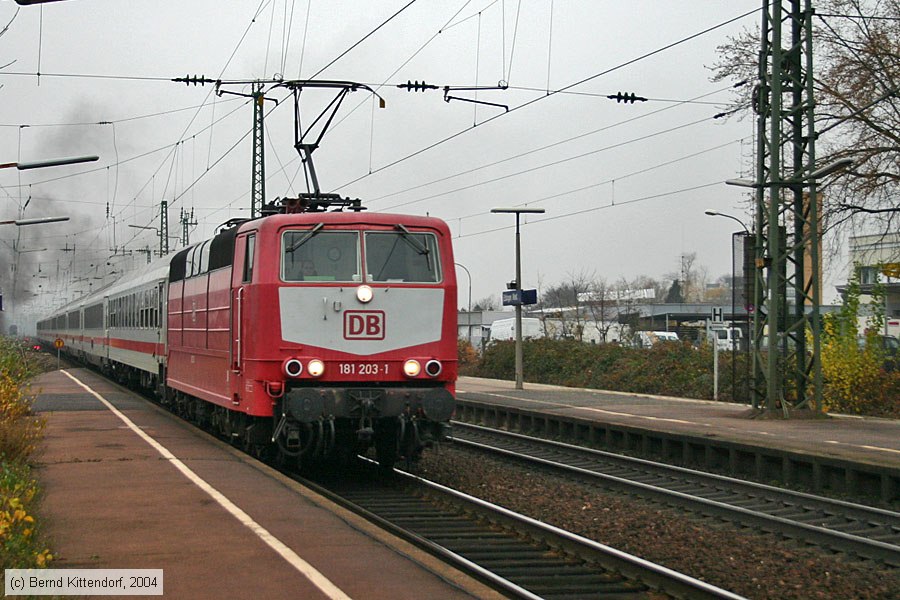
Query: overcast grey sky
[624, 185]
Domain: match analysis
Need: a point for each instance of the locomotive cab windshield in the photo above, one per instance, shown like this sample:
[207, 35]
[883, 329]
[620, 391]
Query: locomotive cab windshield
[316, 255]
[399, 256]
[402, 256]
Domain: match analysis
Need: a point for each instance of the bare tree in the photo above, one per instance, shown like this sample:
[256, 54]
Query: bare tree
[567, 299]
[629, 296]
[691, 279]
[486, 303]
[721, 293]
[601, 306]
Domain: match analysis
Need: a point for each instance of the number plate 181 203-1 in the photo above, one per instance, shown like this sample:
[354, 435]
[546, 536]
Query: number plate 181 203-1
[364, 369]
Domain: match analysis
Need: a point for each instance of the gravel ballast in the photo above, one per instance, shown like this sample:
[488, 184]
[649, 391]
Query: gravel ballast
[742, 561]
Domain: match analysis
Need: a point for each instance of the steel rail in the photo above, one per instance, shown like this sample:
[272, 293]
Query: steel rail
[632, 568]
[650, 573]
[886, 523]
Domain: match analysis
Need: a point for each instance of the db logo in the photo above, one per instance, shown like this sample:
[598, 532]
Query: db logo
[364, 325]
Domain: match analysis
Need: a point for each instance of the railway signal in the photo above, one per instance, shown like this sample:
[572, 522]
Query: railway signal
[58, 344]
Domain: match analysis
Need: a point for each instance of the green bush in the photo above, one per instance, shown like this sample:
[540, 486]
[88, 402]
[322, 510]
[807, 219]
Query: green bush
[20, 431]
[673, 369]
[667, 369]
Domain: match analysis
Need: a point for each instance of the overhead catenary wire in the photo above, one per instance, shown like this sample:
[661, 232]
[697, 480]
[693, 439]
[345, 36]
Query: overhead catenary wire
[515, 109]
[133, 158]
[613, 180]
[363, 39]
[596, 208]
[549, 45]
[384, 83]
[544, 147]
[507, 75]
[378, 86]
[551, 164]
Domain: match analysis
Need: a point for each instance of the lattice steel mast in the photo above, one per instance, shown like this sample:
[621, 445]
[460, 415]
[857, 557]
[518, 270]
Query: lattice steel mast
[258, 181]
[164, 228]
[787, 368]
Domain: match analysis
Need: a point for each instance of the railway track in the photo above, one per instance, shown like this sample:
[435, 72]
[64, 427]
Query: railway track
[859, 530]
[517, 555]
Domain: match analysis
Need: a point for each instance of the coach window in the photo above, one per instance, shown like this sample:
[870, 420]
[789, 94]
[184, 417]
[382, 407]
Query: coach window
[204, 257]
[189, 263]
[154, 300]
[249, 257]
[198, 255]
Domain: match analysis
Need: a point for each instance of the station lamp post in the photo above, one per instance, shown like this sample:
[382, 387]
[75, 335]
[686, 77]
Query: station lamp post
[738, 238]
[519, 361]
[714, 213]
[469, 275]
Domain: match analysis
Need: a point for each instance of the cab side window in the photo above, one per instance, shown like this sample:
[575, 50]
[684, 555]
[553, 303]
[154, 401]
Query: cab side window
[249, 256]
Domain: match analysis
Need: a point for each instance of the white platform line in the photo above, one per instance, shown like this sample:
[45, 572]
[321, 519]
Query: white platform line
[597, 410]
[864, 447]
[307, 570]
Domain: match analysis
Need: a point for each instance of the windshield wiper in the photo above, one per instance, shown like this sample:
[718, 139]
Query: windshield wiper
[411, 240]
[306, 237]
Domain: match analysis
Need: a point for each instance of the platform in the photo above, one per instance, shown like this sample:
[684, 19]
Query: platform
[127, 485]
[856, 454]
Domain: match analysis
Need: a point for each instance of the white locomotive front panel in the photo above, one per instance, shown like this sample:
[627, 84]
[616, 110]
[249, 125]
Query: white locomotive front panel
[335, 319]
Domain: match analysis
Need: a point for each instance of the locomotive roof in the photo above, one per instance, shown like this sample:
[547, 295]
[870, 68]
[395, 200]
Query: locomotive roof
[344, 218]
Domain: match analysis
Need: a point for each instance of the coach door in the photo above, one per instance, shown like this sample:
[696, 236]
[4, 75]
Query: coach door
[104, 354]
[245, 258]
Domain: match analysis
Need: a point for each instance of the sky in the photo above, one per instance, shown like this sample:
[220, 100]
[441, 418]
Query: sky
[624, 185]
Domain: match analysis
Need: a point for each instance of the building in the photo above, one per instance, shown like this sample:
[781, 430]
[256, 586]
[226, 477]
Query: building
[877, 258]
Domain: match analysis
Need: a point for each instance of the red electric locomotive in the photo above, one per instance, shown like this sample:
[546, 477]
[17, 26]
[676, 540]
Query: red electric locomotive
[326, 332]
[311, 334]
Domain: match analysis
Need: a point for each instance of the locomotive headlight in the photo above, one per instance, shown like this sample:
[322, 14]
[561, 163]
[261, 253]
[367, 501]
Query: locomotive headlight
[412, 368]
[315, 367]
[364, 294]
